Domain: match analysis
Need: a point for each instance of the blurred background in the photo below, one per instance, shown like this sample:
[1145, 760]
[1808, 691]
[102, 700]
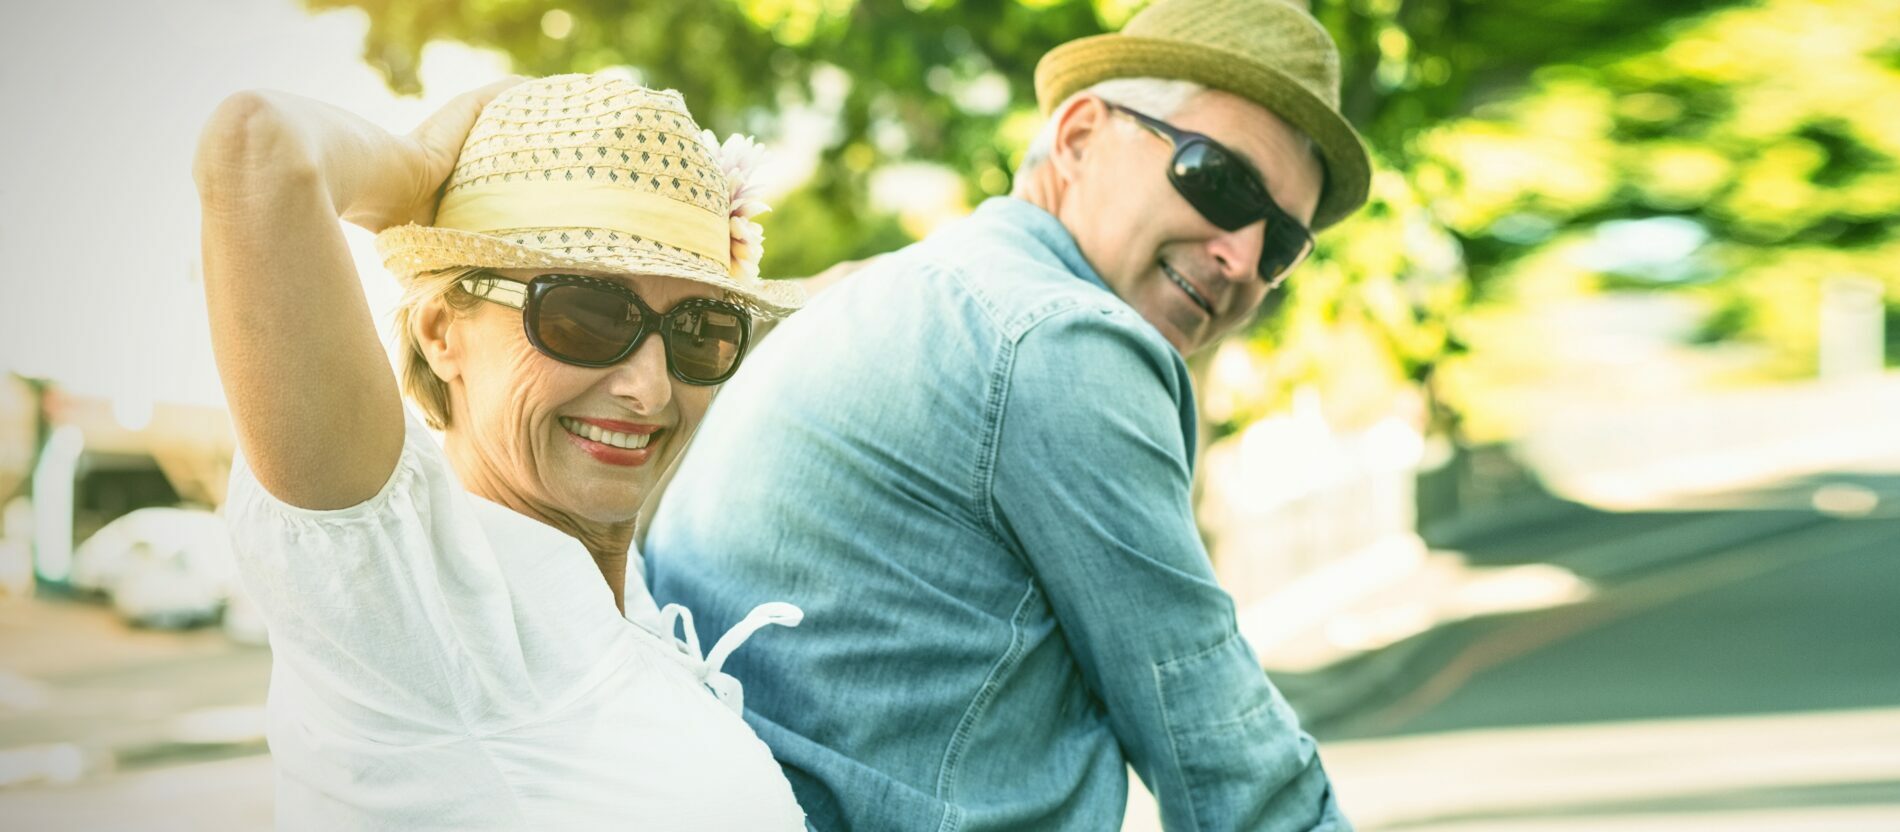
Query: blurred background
[1562, 493]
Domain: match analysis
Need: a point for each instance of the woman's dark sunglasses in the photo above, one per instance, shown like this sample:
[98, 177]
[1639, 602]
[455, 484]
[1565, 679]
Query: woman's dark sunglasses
[1226, 190]
[590, 322]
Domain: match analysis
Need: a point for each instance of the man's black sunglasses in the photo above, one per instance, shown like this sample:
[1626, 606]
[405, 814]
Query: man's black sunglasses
[1226, 190]
[591, 322]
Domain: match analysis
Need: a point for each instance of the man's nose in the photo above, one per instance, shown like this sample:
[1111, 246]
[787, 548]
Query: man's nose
[1237, 253]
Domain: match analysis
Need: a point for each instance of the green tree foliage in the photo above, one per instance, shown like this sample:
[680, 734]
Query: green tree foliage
[1764, 126]
[951, 81]
[1502, 127]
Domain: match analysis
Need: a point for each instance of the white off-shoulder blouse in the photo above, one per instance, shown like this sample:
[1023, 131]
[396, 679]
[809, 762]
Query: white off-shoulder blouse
[442, 662]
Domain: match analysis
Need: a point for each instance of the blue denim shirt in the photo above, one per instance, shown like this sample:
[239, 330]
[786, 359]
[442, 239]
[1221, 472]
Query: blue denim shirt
[970, 465]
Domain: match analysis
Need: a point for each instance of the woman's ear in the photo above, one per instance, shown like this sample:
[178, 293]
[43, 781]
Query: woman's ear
[438, 338]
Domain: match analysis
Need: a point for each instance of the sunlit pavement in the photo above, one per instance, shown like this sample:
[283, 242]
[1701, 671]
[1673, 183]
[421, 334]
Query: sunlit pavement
[1835, 770]
[1753, 685]
[234, 795]
[104, 726]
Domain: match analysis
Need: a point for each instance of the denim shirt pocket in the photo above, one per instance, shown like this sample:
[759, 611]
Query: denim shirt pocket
[1232, 735]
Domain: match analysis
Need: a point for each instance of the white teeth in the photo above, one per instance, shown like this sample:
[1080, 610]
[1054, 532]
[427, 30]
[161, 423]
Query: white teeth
[1192, 293]
[627, 441]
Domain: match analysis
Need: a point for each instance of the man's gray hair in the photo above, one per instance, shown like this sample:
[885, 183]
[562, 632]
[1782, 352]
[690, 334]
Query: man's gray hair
[1158, 97]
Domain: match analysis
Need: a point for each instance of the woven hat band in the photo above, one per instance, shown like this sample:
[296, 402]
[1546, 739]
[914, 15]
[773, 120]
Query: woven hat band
[508, 206]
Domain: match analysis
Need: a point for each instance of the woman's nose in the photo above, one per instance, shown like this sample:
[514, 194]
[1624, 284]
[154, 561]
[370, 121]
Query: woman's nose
[642, 378]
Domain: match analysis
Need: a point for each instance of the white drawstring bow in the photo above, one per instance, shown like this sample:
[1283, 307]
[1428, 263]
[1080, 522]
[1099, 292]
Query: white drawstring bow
[707, 667]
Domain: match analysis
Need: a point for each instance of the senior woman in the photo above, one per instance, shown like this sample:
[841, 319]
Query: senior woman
[448, 654]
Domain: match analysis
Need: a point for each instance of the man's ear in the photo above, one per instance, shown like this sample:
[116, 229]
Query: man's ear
[437, 338]
[1077, 125]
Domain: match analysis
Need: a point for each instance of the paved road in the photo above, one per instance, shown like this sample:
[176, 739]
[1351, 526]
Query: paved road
[1737, 668]
[107, 727]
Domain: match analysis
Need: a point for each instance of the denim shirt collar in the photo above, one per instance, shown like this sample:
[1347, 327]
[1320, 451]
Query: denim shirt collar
[1028, 217]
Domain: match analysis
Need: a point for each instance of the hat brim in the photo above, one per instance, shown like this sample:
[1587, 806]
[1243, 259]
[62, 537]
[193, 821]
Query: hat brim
[410, 250]
[1080, 64]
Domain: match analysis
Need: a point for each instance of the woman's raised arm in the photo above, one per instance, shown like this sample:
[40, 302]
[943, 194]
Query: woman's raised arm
[311, 392]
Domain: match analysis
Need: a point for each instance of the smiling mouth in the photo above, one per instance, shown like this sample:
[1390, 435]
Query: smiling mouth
[1187, 287]
[623, 441]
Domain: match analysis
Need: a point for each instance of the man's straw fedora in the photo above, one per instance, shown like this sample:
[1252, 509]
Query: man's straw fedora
[587, 172]
[1268, 51]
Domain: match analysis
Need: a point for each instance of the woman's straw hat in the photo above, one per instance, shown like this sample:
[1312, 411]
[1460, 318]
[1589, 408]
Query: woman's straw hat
[590, 172]
[1268, 51]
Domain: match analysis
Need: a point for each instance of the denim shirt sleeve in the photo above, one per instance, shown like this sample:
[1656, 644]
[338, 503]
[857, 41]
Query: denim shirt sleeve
[1091, 483]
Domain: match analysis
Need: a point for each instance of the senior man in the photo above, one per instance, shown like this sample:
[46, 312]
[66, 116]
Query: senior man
[970, 463]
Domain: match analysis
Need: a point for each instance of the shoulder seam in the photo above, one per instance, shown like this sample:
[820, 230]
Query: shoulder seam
[996, 400]
[989, 444]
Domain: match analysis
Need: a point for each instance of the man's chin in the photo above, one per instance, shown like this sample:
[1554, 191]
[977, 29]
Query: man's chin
[1181, 326]
[1184, 337]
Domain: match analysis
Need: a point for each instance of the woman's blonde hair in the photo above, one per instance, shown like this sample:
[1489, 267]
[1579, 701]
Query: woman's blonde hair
[419, 381]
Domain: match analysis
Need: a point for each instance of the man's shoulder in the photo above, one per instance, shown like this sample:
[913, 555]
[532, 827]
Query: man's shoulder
[1087, 359]
[1006, 272]
[987, 289]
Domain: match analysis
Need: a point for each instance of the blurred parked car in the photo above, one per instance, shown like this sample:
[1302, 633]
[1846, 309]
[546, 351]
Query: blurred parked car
[162, 567]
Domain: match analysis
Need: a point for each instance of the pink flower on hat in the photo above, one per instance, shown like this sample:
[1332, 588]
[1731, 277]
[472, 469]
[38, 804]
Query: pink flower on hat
[739, 158]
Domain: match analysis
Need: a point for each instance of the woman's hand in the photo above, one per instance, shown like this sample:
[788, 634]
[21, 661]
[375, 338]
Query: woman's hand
[428, 154]
[260, 143]
[812, 286]
[824, 280]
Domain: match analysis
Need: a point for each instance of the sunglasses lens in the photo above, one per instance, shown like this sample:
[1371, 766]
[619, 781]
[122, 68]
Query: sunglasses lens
[585, 324]
[1286, 246]
[1228, 193]
[705, 341]
[1270, 305]
[1215, 184]
[1230, 197]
